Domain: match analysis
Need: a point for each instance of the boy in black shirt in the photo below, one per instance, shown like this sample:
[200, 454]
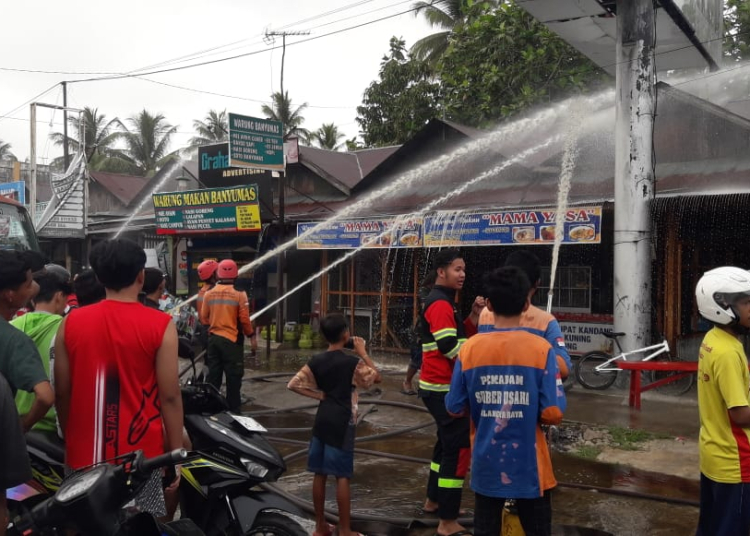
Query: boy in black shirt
[331, 377]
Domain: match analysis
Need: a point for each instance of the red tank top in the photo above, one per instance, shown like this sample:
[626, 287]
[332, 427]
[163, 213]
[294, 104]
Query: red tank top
[114, 406]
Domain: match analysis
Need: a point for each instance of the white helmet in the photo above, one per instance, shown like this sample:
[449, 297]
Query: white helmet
[717, 291]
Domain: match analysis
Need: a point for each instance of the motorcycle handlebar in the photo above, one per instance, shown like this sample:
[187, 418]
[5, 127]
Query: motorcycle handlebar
[164, 460]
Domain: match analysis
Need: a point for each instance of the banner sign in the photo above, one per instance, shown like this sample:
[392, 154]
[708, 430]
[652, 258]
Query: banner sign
[583, 225]
[376, 233]
[63, 216]
[216, 210]
[256, 143]
[14, 190]
[583, 332]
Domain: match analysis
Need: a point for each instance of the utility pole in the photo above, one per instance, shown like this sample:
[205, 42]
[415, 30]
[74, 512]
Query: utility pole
[270, 38]
[66, 151]
[634, 170]
[32, 157]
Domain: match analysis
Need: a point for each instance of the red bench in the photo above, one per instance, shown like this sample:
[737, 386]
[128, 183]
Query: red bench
[683, 368]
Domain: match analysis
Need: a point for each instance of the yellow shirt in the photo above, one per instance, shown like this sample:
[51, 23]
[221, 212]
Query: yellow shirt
[723, 383]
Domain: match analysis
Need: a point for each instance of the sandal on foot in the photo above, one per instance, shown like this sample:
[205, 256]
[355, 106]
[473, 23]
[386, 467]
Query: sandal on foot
[408, 392]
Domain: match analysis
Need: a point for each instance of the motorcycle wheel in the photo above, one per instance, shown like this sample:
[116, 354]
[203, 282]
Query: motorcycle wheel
[273, 524]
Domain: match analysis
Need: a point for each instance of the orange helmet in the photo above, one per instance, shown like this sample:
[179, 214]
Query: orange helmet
[227, 269]
[207, 268]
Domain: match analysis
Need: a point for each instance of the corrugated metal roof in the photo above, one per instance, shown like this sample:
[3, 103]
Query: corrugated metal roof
[124, 187]
[700, 150]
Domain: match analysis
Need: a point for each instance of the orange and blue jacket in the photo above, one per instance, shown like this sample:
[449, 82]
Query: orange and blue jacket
[506, 380]
[225, 311]
[442, 332]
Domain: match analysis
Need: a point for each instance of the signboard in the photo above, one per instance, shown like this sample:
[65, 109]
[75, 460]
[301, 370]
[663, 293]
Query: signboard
[515, 227]
[443, 229]
[256, 143]
[63, 217]
[14, 190]
[215, 210]
[376, 233]
[583, 332]
[213, 166]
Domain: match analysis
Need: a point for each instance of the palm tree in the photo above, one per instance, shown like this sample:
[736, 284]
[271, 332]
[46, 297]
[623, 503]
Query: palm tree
[213, 129]
[99, 137]
[292, 119]
[147, 143]
[327, 137]
[443, 14]
[5, 152]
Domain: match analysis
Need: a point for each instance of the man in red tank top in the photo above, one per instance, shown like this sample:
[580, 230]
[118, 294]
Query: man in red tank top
[116, 374]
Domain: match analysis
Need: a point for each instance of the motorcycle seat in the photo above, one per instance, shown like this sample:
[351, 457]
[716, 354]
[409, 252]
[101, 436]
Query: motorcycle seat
[48, 442]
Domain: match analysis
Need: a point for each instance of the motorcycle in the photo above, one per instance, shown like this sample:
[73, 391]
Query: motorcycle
[94, 501]
[219, 486]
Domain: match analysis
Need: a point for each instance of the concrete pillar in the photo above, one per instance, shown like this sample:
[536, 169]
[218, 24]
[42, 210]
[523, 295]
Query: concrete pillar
[634, 176]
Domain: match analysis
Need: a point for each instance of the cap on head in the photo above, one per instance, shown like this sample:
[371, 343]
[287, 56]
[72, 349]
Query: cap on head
[227, 269]
[206, 269]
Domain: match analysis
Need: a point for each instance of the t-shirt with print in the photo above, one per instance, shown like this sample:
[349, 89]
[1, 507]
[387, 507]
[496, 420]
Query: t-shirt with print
[506, 378]
[20, 361]
[114, 404]
[723, 383]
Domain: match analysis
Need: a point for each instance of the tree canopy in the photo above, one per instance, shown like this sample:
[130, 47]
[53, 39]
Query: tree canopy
[214, 128]
[503, 61]
[327, 137]
[147, 143]
[5, 152]
[401, 101]
[283, 110]
[100, 137]
[737, 29]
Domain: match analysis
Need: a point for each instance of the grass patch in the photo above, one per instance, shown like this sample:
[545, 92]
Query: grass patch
[627, 439]
[588, 452]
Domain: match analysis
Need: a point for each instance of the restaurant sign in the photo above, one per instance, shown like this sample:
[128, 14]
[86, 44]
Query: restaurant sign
[215, 210]
[353, 234]
[582, 225]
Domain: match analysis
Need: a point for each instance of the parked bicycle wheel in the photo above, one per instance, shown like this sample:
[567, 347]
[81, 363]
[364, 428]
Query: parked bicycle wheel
[589, 377]
[675, 387]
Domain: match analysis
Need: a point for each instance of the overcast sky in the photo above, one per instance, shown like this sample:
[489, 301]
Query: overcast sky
[329, 73]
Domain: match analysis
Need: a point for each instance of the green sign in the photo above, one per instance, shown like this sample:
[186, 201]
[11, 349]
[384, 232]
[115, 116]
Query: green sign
[256, 143]
[215, 210]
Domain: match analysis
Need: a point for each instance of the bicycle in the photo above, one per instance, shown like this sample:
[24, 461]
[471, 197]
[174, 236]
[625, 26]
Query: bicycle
[596, 370]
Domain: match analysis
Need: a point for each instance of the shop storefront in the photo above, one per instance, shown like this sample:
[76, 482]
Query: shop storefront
[385, 261]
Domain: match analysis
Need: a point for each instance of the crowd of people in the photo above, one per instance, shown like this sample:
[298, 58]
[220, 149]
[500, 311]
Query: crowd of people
[95, 360]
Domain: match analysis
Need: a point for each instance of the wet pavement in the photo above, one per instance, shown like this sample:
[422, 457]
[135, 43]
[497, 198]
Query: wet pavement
[395, 489]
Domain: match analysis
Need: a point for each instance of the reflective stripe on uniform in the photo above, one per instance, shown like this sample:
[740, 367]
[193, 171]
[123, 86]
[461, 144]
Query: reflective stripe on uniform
[443, 333]
[216, 301]
[454, 352]
[435, 467]
[452, 483]
[441, 387]
[429, 347]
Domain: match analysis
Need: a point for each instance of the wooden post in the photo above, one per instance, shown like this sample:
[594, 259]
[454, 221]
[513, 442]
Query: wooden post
[384, 297]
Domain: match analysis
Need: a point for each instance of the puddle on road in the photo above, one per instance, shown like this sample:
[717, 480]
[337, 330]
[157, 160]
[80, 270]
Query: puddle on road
[395, 489]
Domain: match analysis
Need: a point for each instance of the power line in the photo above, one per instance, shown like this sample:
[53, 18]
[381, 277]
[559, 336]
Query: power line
[258, 101]
[32, 99]
[246, 54]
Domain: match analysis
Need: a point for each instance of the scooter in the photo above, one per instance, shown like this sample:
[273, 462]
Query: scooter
[93, 501]
[219, 486]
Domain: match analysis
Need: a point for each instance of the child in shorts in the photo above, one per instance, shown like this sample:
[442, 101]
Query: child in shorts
[332, 377]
